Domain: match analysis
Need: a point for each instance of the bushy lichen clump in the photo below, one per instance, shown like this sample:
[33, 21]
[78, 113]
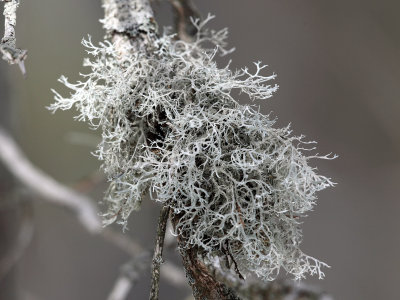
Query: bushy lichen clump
[170, 126]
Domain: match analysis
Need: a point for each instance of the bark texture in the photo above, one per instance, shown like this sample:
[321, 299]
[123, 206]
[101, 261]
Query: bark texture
[8, 48]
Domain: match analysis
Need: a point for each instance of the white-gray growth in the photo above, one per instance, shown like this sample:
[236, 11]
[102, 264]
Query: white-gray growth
[171, 127]
[8, 48]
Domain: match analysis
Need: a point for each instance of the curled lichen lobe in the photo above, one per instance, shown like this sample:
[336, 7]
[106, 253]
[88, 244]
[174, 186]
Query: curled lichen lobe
[171, 127]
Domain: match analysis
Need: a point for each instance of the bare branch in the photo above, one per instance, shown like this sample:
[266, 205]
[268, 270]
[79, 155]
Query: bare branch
[11, 53]
[158, 250]
[130, 274]
[185, 10]
[56, 193]
[46, 186]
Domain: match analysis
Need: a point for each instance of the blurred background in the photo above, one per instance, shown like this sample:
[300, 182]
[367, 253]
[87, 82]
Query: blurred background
[338, 69]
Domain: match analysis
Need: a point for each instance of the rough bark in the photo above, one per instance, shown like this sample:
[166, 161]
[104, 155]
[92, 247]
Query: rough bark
[204, 284]
[158, 251]
[8, 48]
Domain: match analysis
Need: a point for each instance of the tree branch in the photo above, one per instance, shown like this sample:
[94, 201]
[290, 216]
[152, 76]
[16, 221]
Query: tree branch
[130, 24]
[11, 53]
[24, 237]
[158, 250]
[56, 193]
[256, 290]
[130, 274]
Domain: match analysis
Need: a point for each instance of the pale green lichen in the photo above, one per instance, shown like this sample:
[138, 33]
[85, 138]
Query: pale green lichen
[171, 127]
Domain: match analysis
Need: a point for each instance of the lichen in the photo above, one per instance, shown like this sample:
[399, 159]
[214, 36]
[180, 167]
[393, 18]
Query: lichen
[171, 127]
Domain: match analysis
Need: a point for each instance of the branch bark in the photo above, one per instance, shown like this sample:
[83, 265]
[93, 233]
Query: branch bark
[24, 237]
[256, 290]
[203, 283]
[131, 25]
[46, 186]
[8, 48]
[185, 11]
[158, 250]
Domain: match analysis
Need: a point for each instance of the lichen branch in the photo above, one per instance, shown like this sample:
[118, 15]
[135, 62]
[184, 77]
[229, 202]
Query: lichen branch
[11, 53]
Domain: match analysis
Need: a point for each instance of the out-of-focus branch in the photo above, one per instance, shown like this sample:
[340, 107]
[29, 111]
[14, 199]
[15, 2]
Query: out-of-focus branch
[46, 186]
[256, 290]
[24, 237]
[211, 279]
[185, 10]
[130, 274]
[54, 192]
[8, 48]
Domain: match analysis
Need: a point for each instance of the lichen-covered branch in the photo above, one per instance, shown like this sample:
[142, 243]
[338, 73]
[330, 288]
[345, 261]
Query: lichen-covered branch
[256, 290]
[171, 127]
[22, 241]
[130, 24]
[204, 284]
[158, 251]
[8, 48]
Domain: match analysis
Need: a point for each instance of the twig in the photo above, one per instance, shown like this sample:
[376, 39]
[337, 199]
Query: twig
[46, 186]
[11, 53]
[56, 193]
[130, 274]
[158, 250]
[185, 10]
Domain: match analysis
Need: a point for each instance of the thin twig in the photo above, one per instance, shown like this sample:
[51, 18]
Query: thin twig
[11, 53]
[185, 11]
[129, 275]
[158, 250]
[46, 186]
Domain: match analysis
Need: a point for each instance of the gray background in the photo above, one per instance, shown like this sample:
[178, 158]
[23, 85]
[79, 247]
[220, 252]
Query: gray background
[338, 69]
